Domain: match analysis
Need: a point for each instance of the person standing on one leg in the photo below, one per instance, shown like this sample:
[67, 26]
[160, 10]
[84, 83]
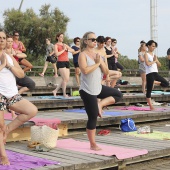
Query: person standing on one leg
[76, 52]
[9, 97]
[151, 63]
[63, 65]
[50, 57]
[92, 66]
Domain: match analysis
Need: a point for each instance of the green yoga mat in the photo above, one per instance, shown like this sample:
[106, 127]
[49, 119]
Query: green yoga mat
[155, 135]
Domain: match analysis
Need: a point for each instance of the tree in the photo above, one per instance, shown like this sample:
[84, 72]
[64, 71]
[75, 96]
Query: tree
[34, 28]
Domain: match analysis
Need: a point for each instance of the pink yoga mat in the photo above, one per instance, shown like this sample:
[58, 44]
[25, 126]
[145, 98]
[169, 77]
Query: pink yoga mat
[107, 150]
[39, 121]
[140, 108]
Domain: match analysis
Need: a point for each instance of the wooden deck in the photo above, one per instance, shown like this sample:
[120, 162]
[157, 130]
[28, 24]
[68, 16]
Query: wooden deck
[75, 121]
[71, 160]
[128, 98]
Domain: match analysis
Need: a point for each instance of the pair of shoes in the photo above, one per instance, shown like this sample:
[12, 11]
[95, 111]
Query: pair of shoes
[104, 132]
[41, 74]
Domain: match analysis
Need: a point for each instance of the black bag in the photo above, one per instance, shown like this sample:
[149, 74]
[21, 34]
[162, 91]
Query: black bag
[52, 59]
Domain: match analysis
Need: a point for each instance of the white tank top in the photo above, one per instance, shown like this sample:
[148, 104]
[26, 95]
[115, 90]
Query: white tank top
[8, 86]
[91, 83]
[152, 68]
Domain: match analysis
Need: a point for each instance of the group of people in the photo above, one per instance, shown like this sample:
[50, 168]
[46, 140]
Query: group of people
[58, 55]
[96, 59]
[148, 69]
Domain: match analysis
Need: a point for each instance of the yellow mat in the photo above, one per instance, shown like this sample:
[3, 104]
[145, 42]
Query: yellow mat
[155, 135]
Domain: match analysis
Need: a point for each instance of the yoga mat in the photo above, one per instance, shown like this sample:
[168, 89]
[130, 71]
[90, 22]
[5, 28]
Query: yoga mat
[161, 92]
[107, 150]
[20, 161]
[39, 121]
[59, 97]
[155, 135]
[109, 113]
[135, 108]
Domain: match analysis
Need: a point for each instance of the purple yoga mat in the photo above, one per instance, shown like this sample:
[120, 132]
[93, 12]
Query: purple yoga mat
[24, 162]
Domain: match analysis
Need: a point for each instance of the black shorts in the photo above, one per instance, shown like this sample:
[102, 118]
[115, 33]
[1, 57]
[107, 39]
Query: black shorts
[76, 64]
[51, 59]
[20, 59]
[63, 64]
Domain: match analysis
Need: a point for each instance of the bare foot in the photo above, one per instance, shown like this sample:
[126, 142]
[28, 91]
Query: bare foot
[41, 74]
[54, 93]
[13, 114]
[152, 109]
[4, 160]
[66, 96]
[95, 148]
[56, 75]
[100, 110]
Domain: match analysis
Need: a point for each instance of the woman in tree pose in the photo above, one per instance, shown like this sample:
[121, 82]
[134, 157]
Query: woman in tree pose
[92, 66]
[9, 97]
[61, 51]
[151, 63]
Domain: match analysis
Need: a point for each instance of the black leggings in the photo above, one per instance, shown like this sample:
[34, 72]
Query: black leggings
[91, 103]
[119, 66]
[150, 78]
[26, 82]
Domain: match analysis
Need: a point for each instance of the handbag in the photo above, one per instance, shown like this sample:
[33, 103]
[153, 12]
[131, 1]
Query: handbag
[53, 59]
[45, 136]
[127, 125]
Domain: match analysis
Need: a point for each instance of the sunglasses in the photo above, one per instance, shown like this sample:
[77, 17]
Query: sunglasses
[92, 39]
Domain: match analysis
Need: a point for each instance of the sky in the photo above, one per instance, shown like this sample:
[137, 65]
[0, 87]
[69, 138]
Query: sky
[126, 20]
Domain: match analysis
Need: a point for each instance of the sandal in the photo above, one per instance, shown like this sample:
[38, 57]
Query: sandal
[103, 132]
[106, 132]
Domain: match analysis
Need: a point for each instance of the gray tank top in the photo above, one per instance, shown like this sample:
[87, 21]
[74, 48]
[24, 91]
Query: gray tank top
[91, 83]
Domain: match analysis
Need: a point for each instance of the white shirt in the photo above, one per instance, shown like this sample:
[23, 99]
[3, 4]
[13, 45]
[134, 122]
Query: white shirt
[8, 87]
[152, 68]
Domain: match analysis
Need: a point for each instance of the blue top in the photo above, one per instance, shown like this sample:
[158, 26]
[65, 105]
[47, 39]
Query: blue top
[75, 56]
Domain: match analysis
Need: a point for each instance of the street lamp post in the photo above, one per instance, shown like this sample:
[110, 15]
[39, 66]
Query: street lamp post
[20, 5]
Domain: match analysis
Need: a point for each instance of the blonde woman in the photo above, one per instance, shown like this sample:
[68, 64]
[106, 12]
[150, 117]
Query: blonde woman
[92, 66]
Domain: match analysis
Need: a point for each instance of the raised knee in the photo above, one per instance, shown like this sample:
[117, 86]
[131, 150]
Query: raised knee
[31, 66]
[34, 112]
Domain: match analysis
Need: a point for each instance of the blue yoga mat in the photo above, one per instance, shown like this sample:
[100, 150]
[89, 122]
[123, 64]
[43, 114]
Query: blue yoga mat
[59, 97]
[109, 113]
[161, 92]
